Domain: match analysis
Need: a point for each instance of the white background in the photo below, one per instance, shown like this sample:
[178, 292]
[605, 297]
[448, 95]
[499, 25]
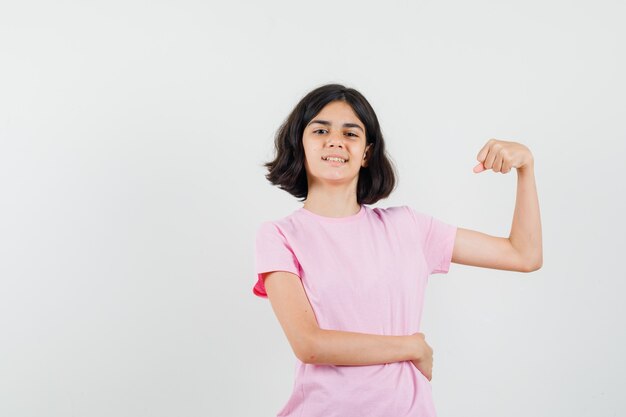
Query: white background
[132, 135]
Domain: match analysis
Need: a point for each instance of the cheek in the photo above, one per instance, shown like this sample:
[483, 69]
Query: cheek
[311, 150]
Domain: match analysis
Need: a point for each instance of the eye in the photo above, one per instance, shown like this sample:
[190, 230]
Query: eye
[352, 134]
[318, 130]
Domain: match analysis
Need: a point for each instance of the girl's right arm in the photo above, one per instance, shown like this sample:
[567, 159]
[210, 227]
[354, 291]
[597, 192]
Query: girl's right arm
[337, 347]
[333, 347]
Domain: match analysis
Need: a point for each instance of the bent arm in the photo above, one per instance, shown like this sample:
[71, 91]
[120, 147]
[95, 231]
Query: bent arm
[522, 250]
[314, 345]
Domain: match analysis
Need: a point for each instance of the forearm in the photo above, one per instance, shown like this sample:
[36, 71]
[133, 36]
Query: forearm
[526, 229]
[334, 347]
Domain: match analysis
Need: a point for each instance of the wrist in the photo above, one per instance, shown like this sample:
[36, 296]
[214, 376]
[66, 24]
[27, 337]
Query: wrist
[528, 166]
[416, 346]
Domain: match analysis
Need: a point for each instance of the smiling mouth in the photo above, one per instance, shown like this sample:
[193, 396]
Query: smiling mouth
[333, 159]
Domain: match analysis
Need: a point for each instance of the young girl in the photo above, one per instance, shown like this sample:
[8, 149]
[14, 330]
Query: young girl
[347, 281]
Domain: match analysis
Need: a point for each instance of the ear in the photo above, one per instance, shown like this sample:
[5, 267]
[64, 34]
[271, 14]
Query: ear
[366, 155]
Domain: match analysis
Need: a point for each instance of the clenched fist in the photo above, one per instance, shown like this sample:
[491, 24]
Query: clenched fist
[501, 156]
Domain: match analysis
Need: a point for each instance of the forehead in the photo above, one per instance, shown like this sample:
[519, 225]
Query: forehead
[338, 112]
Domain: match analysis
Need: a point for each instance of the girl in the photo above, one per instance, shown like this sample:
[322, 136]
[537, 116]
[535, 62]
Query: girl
[346, 281]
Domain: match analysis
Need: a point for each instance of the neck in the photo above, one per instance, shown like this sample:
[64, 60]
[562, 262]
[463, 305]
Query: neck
[332, 202]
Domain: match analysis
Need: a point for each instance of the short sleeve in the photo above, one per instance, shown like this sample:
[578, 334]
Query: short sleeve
[272, 253]
[437, 239]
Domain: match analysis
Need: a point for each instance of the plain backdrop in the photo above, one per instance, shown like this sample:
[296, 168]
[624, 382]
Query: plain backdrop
[132, 137]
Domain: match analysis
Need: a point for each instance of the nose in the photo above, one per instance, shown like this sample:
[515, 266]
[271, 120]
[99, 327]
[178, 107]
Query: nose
[335, 139]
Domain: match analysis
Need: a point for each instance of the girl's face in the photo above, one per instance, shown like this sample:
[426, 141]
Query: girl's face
[335, 130]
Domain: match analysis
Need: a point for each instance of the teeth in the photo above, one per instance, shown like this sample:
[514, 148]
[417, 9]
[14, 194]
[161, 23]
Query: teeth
[335, 159]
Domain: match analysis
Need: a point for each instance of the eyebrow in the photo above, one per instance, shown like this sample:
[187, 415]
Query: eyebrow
[327, 123]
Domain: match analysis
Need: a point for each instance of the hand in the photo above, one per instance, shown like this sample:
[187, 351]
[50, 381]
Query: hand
[424, 356]
[501, 156]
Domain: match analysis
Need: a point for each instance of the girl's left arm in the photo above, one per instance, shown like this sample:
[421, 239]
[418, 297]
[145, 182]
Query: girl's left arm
[522, 250]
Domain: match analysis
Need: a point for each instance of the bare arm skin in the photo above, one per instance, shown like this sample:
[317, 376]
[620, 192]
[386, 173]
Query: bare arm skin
[314, 345]
[522, 251]
[525, 233]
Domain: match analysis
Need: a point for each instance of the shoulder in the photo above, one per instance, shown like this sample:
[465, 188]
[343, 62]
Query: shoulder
[404, 211]
[278, 226]
[406, 217]
[400, 217]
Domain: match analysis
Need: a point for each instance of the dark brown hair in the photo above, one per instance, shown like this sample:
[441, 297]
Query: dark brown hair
[376, 181]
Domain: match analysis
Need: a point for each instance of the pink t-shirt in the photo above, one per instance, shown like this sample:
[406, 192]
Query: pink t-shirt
[362, 273]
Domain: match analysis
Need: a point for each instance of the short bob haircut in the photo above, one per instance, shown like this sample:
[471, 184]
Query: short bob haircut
[376, 181]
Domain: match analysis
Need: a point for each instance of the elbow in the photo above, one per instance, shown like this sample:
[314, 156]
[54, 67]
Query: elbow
[534, 265]
[306, 356]
[308, 351]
